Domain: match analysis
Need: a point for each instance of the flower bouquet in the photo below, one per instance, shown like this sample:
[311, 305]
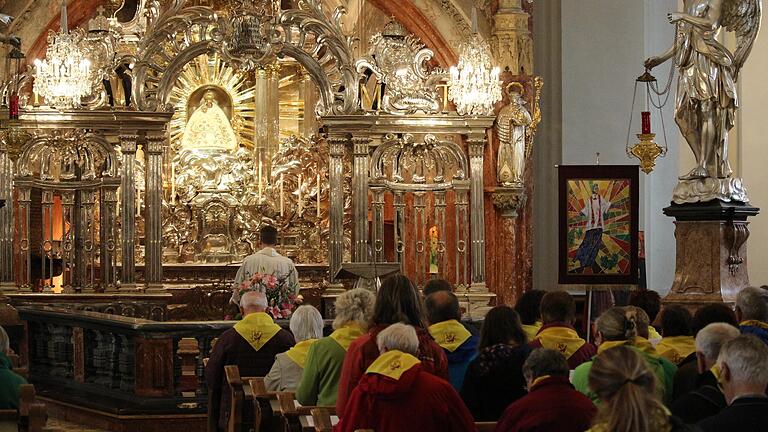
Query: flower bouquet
[281, 300]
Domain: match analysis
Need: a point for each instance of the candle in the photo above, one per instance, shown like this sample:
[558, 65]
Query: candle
[646, 115]
[173, 183]
[282, 196]
[138, 202]
[298, 192]
[318, 196]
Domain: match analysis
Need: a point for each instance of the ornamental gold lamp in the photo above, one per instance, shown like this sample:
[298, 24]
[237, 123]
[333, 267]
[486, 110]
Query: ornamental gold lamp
[646, 150]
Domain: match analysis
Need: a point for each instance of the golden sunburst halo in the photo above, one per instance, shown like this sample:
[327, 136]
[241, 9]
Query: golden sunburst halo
[212, 73]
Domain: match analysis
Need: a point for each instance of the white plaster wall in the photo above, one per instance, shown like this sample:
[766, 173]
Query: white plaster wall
[753, 154]
[604, 43]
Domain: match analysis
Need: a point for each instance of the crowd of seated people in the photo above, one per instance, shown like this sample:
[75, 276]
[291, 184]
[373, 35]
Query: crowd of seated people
[403, 360]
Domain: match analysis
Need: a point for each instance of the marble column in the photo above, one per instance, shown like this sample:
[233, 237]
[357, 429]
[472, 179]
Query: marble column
[128, 141]
[153, 230]
[337, 146]
[360, 198]
[476, 143]
[6, 217]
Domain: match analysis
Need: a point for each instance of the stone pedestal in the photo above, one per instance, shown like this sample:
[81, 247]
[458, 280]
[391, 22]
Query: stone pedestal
[711, 262]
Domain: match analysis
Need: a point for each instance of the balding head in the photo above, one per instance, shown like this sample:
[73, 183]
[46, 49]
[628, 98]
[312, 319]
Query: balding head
[442, 306]
[710, 340]
[752, 304]
[252, 302]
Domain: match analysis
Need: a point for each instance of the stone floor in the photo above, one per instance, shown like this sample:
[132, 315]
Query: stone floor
[56, 425]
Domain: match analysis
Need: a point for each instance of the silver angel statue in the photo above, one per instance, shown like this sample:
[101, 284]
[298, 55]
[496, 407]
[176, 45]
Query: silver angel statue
[707, 99]
[511, 125]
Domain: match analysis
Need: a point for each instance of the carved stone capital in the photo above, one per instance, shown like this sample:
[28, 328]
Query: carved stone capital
[155, 144]
[509, 200]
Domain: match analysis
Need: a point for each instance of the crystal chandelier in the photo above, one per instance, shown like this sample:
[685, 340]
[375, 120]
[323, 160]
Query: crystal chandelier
[474, 84]
[63, 77]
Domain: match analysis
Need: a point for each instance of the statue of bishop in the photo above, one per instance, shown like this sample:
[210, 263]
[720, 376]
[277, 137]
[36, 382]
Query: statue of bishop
[511, 125]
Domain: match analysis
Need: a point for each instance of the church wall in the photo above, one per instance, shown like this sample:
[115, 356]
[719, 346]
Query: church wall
[603, 45]
[751, 144]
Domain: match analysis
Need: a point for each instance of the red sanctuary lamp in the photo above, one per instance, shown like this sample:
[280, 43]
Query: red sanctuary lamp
[646, 151]
[15, 58]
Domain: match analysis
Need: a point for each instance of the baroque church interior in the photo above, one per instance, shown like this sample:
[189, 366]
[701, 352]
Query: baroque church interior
[205, 205]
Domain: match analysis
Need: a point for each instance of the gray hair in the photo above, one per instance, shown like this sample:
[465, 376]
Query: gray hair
[355, 305]
[5, 346]
[401, 337]
[753, 304]
[711, 338]
[543, 361]
[306, 323]
[254, 300]
[746, 357]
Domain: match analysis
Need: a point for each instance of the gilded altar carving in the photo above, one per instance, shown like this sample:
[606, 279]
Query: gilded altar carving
[399, 62]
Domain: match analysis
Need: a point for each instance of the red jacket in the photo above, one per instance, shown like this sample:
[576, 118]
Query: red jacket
[418, 401]
[552, 405]
[583, 354]
[363, 351]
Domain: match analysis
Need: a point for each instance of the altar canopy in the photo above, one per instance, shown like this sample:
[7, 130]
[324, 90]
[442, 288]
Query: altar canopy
[207, 120]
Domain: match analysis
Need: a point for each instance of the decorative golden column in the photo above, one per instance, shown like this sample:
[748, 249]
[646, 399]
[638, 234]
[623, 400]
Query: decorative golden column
[260, 121]
[511, 43]
[273, 109]
[153, 229]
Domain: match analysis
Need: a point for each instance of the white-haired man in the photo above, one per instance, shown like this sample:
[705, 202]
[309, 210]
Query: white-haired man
[743, 376]
[9, 380]
[251, 345]
[752, 312]
[395, 394]
[706, 399]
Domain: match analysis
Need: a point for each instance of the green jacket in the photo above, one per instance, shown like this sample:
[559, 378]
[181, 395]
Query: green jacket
[10, 382]
[320, 381]
[661, 367]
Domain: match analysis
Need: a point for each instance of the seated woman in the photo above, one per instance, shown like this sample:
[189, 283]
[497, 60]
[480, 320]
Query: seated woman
[396, 302]
[320, 381]
[10, 381]
[619, 326]
[495, 377]
[528, 307]
[307, 327]
[626, 388]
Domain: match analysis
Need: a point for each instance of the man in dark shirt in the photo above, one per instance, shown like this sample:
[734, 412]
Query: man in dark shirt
[744, 378]
[251, 345]
[558, 312]
[706, 399]
[444, 316]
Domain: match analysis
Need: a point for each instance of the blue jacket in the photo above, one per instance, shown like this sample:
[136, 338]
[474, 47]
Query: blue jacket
[459, 360]
[761, 331]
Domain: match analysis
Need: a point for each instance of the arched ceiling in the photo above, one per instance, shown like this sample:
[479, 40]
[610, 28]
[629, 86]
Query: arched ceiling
[440, 24]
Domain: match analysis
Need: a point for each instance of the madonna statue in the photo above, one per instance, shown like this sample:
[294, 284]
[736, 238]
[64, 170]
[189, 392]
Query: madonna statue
[209, 127]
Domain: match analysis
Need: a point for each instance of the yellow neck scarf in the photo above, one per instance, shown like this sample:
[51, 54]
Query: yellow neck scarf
[676, 348]
[449, 334]
[345, 335]
[257, 328]
[754, 323]
[653, 334]
[610, 344]
[645, 346]
[298, 353]
[393, 364]
[532, 329]
[562, 339]
[539, 379]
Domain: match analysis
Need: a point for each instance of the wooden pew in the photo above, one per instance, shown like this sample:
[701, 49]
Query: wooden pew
[213, 423]
[321, 417]
[485, 426]
[31, 416]
[292, 412]
[262, 406]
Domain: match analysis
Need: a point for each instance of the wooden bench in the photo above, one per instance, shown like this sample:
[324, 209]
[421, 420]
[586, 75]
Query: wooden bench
[292, 412]
[321, 421]
[485, 426]
[31, 415]
[239, 392]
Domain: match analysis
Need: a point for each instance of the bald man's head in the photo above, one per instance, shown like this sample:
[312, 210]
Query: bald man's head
[442, 306]
[253, 301]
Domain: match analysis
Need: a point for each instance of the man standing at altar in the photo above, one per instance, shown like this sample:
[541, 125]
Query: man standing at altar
[266, 261]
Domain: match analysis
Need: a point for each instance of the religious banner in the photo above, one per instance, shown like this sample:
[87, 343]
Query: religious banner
[598, 224]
